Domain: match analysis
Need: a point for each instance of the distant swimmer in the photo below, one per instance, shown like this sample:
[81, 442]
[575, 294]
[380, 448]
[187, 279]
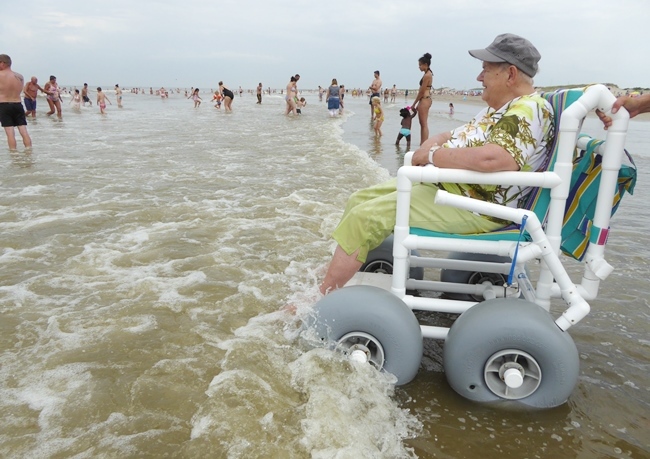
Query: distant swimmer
[53, 97]
[301, 104]
[12, 113]
[333, 98]
[259, 93]
[31, 90]
[375, 91]
[378, 114]
[75, 101]
[118, 95]
[101, 100]
[196, 98]
[291, 96]
[84, 95]
[228, 96]
[217, 98]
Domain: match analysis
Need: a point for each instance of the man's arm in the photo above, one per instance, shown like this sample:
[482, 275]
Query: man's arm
[487, 158]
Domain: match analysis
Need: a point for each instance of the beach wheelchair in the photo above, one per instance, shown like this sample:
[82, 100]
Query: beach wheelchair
[506, 343]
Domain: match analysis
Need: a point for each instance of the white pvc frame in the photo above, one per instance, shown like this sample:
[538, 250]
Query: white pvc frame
[553, 280]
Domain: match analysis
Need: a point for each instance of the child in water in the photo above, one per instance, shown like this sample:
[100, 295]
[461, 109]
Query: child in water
[378, 115]
[195, 97]
[101, 101]
[451, 109]
[76, 100]
[405, 130]
[217, 98]
[300, 104]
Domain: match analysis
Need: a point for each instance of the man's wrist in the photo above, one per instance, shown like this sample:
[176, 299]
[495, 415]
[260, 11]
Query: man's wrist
[432, 151]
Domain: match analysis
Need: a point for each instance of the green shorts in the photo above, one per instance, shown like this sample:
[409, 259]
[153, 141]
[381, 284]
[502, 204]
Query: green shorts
[369, 217]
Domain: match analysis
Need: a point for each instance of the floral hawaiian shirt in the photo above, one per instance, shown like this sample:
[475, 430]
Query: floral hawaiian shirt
[524, 127]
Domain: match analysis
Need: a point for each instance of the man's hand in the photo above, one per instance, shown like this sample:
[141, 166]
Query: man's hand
[421, 156]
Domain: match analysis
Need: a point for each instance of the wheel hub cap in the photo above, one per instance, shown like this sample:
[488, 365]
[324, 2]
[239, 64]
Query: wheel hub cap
[512, 374]
[362, 347]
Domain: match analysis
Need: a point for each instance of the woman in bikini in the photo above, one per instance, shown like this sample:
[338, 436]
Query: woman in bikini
[53, 96]
[422, 101]
[291, 96]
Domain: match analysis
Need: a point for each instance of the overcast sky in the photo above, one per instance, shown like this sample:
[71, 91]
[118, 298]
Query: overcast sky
[177, 43]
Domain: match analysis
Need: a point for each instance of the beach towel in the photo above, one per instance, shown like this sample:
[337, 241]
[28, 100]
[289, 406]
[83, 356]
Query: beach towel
[578, 230]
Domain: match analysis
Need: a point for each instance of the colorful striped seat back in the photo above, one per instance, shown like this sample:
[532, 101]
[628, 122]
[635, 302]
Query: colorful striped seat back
[578, 230]
[539, 199]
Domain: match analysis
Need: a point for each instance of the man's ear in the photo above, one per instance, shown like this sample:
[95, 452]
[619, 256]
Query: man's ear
[512, 73]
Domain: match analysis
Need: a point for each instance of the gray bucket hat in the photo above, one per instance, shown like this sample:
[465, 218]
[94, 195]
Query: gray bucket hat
[512, 49]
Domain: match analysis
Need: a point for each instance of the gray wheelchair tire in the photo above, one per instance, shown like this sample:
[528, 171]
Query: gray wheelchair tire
[368, 311]
[512, 327]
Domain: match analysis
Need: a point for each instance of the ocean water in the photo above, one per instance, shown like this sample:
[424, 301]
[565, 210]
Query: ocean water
[146, 255]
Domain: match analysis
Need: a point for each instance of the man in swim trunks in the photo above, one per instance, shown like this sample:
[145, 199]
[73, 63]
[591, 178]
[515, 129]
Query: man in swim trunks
[101, 101]
[12, 113]
[375, 90]
[31, 90]
[84, 95]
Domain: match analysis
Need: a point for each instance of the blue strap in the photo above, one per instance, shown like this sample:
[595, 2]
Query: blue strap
[514, 258]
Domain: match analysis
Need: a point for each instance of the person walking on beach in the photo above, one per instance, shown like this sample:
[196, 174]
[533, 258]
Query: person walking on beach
[375, 91]
[332, 97]
[227, 95]
[196, 98]
[378, 115]
[12, 113]
[118, 95]
[31, 90]
[84, 95]
[422, 102]
[259, 93]
[101, 101]
[405, 129]
[393, 94]
[53, 96]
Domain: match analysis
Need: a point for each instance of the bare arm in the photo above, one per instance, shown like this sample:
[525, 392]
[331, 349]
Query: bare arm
[487, 158]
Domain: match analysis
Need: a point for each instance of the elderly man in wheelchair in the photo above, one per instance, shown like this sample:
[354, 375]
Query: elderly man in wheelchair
[500, 191]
